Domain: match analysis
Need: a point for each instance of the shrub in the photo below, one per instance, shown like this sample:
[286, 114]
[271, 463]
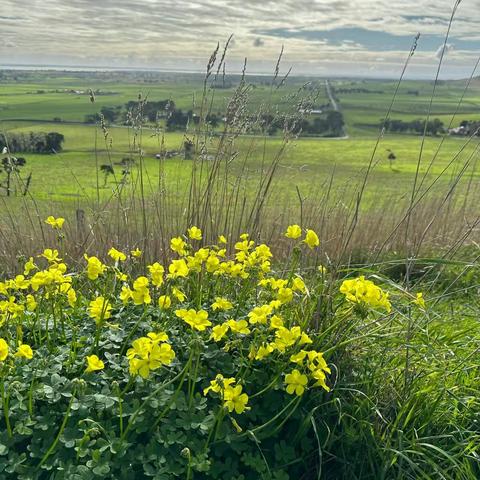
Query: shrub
[206, 368]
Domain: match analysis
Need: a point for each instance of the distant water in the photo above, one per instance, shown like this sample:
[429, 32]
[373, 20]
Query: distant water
[64, 68]
[85, 68]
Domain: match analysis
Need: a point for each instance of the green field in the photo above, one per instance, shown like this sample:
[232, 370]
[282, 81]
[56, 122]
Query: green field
[308, 166]
[23, 107]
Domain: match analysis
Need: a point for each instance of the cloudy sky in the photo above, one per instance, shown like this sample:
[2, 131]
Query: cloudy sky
[321, 37]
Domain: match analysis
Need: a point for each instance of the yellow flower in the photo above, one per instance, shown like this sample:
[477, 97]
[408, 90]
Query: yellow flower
[55, 223]
[140, 293]
[178, 268]
[212, 264]
[51, 255]
[141, 296]
[140, 283]
[100, 309]
[294, 232]
[219, 331]
[260, 314]
[178, 245]
[72, 297]
[311, 239]
[162, 353]
[238, 326]
[3, 350]
[140, 347]
[319, 376]
[197, 320]
[235, 400]
[419, 300]
[296, 382]
[126, 294]
[317, 362]
[263, 351]
[156, 273]
[148, 354]
[24, 351]
[222, 240]
[164, 302]
[299, 285]
[158, 337]
[117, 255]
[304, 339]
[221, 304]
[275, 304]
[29, 266]
[276, 322]
[219, 384]
[365, 293]
[298, 357]
[286, 338]
[31, 303]
[137, 253]
[40, 279]
[245, 245]
[94, 267]
[285, 295]
[21, 283]
[94, 364]
[194, 233]
[179, 295]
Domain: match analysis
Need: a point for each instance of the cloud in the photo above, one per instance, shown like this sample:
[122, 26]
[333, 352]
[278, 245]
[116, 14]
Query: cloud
[8, 43]
[157, 33]
[443, 50]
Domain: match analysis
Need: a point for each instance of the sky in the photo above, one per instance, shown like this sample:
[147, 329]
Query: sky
[361, 38]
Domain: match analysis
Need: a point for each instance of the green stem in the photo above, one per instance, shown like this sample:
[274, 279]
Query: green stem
[30, 397]
[5, 399]
[134, 329]
[192, 381]
[273, 419]
[120, 409]
[215, 428]
[139, 409]
[60, 431]
[177, 391]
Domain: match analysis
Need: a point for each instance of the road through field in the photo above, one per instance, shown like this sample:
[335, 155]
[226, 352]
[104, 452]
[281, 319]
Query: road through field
[335, 107]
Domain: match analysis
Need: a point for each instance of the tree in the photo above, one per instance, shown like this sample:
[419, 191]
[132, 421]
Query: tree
[34, 142]
[335, 122]
[107, 170]
[11, 165]
[54, 142]
[188, 146]
[391, 157]
[111, 114]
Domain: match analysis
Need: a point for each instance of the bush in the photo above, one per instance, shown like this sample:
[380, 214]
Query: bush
[210, 369]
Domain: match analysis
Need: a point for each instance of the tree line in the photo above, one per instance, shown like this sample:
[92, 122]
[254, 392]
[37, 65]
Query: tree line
[330, 124]
[32, 142]
[433, 127]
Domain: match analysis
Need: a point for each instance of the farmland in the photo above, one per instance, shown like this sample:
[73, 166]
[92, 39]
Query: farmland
[33, 101]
